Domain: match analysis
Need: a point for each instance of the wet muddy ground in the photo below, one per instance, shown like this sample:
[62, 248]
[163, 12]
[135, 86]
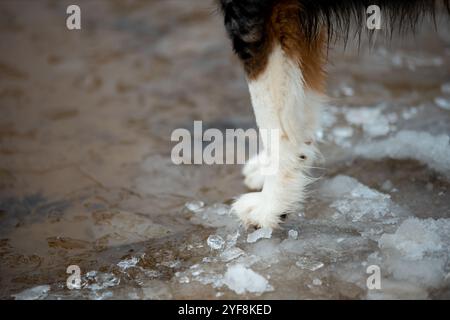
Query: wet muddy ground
[86, 176]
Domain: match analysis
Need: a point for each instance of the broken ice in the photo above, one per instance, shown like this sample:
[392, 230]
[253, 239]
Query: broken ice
[355, 200]
[99, 280]
[293, 234]
[422, 146]
[195, 205]
[317, 282]
[128, 263]
[231, 253]
[309, 264]
[442, 103]
[215, 242]
[263, 233]
[241, 280]
[36, 293]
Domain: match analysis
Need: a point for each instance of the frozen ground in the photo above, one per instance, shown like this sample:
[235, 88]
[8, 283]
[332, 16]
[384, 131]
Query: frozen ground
[86, 177]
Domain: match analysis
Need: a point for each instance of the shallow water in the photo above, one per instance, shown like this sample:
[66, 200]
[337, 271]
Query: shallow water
[86, 177]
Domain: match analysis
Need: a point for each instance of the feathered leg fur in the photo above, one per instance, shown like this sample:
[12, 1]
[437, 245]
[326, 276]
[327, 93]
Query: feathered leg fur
[285, 80]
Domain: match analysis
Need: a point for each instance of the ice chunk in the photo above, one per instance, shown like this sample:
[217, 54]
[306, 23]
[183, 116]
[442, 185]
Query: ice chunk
[36, 293]
[412, 239]
[128, 263]
[241, 280]
[101, 280]
[418, 252]
[422, 146]
[317, 282]
[195, 206]
[231, 254]
[293, 234]
[215, 242]
[221, 209]
[309, 264]
[267, 250]
[263, 233]
[232, 239]
[442, 103]
[339, 186]
[356, 201]
[184, 279]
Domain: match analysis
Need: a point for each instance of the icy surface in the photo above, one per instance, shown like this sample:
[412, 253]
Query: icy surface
[308, 264]
[89, 180]
[414, 238]
[129, 263]
[36, 293]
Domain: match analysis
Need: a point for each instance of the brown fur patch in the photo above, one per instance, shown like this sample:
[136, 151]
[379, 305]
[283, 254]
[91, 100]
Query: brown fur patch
[284, 28]
[310, 54]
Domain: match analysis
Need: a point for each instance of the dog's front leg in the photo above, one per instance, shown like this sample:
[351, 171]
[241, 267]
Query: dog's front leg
[285, 78]
[286, 113]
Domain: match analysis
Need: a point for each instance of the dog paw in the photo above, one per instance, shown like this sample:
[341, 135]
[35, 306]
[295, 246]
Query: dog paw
[256, 210]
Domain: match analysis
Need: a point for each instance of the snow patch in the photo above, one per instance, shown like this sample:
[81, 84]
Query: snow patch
[421, 146]
[413, 239]
[372, 121]
[417, 253]
[241, 280]
[356, 200]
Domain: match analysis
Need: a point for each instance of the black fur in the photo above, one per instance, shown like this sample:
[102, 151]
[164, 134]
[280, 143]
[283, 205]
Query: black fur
[337, 16]
[245, 19]
[245, 22]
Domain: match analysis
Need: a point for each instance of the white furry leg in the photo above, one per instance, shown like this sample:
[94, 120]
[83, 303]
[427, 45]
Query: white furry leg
[281, 104]
[282, 192]
[253, 171]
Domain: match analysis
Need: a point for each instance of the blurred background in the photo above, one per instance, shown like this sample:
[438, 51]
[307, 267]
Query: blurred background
[86, 177]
